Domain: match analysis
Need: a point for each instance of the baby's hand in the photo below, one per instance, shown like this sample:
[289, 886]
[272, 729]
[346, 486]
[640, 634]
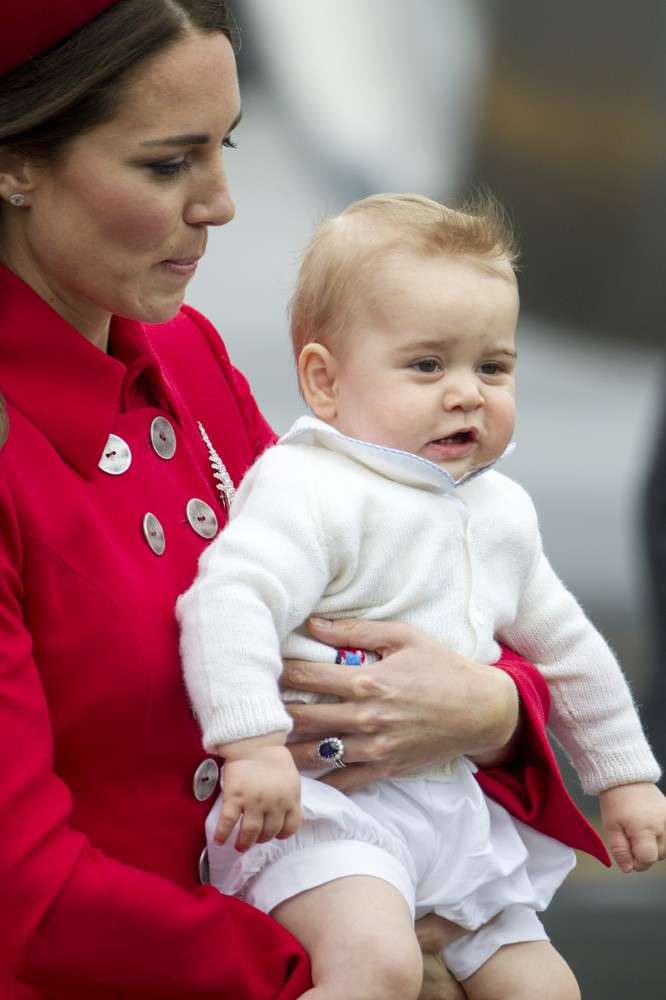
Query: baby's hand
[634, 820]
[264, 788]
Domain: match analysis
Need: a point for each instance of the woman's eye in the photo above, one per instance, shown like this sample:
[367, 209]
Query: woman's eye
[170, 168]
[229, 143]
[427, 365]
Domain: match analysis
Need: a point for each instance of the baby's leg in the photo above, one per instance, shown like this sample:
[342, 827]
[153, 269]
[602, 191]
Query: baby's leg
[360, 936]
[530, 970]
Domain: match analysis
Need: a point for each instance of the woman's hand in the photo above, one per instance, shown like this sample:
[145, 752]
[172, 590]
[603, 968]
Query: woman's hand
[434, 933]
[421, 704]
[438, 983]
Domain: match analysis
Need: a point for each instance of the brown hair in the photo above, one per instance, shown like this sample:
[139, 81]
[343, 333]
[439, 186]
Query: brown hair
[346, 247]
[78, 83]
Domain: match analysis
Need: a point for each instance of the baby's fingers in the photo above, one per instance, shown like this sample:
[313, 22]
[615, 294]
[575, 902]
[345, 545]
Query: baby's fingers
[620, 848]
[228, 818]
[273, 823]
[250, 829]
[292, 821]
[645, 850]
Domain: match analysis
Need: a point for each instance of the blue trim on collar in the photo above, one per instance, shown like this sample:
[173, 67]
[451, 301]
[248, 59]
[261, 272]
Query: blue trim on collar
[402, 466]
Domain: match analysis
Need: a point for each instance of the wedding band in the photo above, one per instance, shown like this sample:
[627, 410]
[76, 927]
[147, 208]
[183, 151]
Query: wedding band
[331, 751]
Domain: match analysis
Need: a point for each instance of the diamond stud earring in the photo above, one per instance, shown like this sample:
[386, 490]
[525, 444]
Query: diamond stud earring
[17, 200]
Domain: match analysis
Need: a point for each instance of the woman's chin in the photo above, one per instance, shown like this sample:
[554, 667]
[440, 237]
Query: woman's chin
[158, 310]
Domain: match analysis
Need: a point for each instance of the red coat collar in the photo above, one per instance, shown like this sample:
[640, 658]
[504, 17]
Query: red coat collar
[67, 387]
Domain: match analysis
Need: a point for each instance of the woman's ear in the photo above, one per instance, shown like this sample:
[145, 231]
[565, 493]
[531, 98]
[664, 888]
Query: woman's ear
[317, 370]
[16, 175]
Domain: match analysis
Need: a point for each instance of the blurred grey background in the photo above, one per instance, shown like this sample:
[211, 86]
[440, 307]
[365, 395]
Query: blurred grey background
[561, 110]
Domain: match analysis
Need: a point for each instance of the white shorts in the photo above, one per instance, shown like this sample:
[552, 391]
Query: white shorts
[441, 843]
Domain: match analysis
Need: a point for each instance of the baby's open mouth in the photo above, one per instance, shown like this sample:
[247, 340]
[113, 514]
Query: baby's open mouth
[460, 437]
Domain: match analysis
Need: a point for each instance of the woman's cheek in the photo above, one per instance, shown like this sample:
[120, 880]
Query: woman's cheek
[145, 232]
[139, 224]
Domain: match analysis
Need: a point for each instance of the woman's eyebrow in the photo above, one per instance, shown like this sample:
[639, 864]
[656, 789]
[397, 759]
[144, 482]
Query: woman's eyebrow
[189, 139]
[196, 139]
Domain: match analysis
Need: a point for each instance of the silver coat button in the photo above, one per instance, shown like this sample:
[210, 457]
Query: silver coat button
[153, 532]
[163, 438]
[205, 779]
[204, 867]
[202, 518]
[116, 457]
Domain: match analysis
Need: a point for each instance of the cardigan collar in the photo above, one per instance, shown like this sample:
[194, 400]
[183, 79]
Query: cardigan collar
[402, 466]
[70, 389]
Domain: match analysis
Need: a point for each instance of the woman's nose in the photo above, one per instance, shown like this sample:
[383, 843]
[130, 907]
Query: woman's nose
[211, 204]
[221, 208]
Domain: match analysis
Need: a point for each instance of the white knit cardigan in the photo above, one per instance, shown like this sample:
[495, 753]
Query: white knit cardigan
[328, 525]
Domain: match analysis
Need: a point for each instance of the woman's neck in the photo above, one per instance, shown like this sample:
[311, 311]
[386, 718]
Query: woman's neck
[91, 321]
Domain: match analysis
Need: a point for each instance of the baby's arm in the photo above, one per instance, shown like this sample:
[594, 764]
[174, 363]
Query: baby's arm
[261, 785]
[634, 821]
[257, 581]
[593, 714]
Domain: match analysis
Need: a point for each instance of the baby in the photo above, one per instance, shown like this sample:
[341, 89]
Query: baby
[386, 505]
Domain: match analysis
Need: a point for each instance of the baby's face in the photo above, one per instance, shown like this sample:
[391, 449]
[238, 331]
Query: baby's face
[427, 364]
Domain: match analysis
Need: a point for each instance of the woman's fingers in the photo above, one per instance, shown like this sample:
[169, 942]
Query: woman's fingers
[358, 750]
[434, 933]
[348, 683]
[334, 719]
[350, 779]
[438, 983]
[362, 633]
[321, 678]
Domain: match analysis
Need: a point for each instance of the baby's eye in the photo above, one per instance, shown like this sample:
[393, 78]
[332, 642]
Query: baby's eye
[492, 368]
[427, 365]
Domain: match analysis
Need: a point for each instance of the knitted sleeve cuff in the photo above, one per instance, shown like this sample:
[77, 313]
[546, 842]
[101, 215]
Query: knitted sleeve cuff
[617, 766]
[239, 719]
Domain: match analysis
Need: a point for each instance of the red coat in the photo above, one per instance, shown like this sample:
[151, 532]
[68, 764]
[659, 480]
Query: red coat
[100, 832]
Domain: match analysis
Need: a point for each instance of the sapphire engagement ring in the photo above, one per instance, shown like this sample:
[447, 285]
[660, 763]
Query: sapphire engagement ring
[331, 751]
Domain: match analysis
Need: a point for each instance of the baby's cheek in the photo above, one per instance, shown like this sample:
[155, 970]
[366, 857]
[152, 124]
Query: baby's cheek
[502, 415]
[506, 405]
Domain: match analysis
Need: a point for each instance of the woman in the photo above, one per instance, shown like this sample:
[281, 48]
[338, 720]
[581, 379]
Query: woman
[127, 427]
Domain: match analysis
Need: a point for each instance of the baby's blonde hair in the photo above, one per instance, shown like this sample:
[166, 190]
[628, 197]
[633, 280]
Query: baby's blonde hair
[346, 246]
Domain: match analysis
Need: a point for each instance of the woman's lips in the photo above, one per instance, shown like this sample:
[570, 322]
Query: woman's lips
[185, 266]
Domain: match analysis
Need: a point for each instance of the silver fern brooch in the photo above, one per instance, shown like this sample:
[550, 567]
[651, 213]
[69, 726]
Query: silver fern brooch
[224, 483]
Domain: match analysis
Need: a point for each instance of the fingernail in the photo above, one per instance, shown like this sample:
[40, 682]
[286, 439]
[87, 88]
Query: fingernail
[321, 623]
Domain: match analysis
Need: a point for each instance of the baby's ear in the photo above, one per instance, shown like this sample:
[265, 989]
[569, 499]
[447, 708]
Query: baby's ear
[317, 370]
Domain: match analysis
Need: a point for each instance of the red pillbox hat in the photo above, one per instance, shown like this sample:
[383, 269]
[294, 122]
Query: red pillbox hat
[30, 27]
